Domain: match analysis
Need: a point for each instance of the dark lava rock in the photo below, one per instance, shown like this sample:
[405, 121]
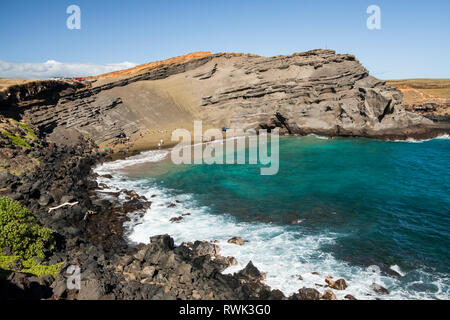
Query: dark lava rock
[203, 248]
[18, 286]
[340, 284]
[379, 289]
[44, 200]
[90, 235]
[6, 179]
[163, 242]
[251, 272]
[328, 295]
[236, 240]
[306, 294]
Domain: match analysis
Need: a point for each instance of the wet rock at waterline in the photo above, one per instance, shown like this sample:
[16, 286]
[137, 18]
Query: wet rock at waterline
[236, 240]
[379, 289]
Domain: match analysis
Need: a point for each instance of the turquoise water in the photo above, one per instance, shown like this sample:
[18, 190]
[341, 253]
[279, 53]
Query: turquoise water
[384, 204]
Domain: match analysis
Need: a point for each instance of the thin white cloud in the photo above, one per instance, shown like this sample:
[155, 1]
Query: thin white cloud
[55, 69]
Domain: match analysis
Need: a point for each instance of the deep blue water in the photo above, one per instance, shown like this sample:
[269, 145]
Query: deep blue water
[389, 202]
[391, 198]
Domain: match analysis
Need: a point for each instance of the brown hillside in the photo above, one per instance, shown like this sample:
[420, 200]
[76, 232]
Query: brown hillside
[417, 90]
[151, 65]
[317, 91]
[418, 93]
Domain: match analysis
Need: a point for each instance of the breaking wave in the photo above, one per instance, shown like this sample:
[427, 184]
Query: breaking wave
[289, 256]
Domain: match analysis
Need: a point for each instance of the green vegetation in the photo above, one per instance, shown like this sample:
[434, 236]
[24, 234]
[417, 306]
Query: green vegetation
[25, 240]
[30, 132]
[6, 262]
[18, 141]
[17, 232]
[35, 268]
[29, 266]
[5, 265]
[21, 135]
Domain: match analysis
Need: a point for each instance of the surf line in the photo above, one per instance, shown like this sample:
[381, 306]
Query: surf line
[190, 149]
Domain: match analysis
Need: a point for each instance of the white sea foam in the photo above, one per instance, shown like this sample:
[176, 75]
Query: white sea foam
[319, 137]
[144, 157]
[443, 137]
[397, 269]
[284, 253]
[411, 140]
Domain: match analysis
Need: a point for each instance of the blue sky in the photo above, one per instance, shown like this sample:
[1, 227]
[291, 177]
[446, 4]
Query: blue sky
[413, 41]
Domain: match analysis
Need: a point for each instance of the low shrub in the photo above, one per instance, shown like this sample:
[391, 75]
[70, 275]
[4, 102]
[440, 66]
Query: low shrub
[27, 128]
[17, 231]
[25, 240]
[18, 141]
[29, 266]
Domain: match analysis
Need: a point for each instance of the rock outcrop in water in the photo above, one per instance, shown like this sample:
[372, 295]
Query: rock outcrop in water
[313, 92]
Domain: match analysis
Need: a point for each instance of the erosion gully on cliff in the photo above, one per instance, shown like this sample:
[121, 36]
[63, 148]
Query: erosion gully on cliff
[313, 92]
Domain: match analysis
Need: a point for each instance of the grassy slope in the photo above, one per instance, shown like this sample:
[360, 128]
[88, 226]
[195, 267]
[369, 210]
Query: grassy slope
[21, 135]
[5, 83]
[417, 91]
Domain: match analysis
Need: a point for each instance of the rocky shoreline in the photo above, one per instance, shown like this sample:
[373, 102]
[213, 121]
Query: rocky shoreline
[50, 137]
[90, 235]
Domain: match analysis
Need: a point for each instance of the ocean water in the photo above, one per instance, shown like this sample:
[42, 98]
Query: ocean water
[359, 209]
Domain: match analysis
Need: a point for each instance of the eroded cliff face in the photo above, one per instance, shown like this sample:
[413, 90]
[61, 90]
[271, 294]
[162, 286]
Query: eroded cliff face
[313, 92]
[15, 100]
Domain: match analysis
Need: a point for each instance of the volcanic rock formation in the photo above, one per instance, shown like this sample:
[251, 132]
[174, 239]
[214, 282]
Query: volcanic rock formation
[313, 92]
